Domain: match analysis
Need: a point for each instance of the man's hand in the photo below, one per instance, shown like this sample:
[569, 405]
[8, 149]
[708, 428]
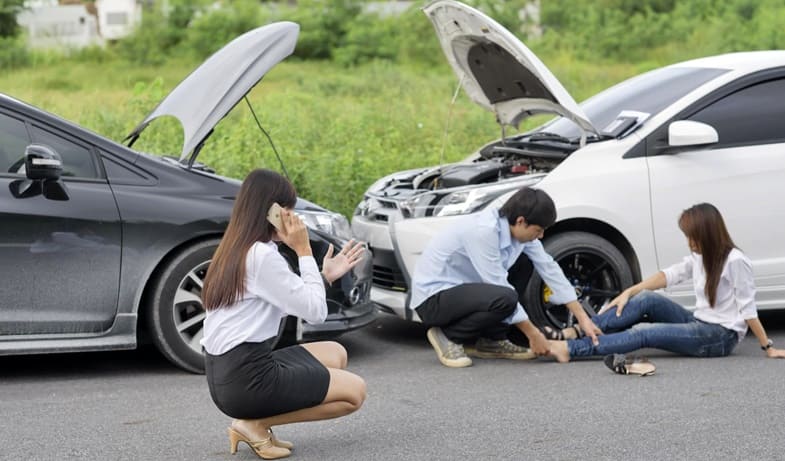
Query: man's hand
[589, 329]
[537, 341]
[539, 344]
[584, 321]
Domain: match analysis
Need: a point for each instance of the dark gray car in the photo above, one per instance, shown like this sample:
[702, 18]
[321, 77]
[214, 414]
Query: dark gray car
[101, 245]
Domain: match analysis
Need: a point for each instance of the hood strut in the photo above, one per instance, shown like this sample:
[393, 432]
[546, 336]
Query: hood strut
[259, 124]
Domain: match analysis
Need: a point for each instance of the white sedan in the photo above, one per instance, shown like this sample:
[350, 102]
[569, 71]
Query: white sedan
[621, 167]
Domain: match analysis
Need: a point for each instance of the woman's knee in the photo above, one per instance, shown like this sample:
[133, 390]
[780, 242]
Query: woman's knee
[330, 353]
[340, 354]
[346, 387]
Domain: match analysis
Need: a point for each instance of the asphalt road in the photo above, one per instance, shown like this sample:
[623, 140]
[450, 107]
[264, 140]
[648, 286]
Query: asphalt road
[135, 406]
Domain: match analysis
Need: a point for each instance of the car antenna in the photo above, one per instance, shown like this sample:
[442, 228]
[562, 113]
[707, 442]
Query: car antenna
[259, 124]
[447, 123]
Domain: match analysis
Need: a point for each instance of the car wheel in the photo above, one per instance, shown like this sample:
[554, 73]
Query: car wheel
[176, 314]
[593, 265]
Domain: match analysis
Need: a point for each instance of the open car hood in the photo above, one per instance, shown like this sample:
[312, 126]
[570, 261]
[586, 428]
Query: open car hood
[497, 71]
[206, 95]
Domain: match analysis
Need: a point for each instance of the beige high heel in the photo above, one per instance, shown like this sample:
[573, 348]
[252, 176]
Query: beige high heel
[278, 442]
[263, 448]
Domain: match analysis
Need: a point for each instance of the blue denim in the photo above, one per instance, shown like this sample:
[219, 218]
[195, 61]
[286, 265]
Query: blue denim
[652, 320]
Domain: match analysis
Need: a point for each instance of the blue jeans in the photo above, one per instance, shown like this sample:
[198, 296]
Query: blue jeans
[652, 320]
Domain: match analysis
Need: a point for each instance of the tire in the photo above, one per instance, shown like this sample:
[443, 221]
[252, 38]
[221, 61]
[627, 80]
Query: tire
[175, 316]
[593, 265]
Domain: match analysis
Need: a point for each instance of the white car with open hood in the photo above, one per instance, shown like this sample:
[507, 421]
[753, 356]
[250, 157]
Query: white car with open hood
[621, 167]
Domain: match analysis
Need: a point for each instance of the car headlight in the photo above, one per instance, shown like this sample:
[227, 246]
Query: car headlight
[327, 222]
[455, 202]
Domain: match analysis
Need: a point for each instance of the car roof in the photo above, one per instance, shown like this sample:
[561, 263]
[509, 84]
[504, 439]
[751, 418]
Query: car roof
[747, 61]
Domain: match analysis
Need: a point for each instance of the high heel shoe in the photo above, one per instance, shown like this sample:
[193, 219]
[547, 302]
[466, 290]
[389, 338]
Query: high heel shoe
[619, 363]
[280, 443]
[264, 448]
[558, 335]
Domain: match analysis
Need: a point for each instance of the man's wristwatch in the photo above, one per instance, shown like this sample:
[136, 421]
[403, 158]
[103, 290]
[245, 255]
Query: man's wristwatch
[768, 345]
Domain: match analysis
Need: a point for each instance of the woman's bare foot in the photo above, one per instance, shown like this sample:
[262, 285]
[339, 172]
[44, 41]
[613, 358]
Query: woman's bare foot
[559, 351]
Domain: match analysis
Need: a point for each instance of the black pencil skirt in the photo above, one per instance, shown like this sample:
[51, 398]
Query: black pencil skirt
[252, 381]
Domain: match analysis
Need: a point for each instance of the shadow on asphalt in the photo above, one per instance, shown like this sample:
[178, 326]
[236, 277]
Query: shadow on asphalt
[388, 332]
[145, 360]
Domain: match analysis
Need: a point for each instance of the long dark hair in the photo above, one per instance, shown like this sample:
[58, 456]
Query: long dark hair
[704, 227]
[225, 279]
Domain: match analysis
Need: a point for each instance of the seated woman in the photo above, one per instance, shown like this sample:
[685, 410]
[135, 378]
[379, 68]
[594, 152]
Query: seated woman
[725, 304]
[248, 289]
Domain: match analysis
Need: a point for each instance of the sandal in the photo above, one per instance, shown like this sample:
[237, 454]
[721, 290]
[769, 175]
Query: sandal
[558, 335]
[619, 363]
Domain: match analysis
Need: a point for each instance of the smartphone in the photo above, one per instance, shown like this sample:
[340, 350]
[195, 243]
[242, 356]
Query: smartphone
[274, 215]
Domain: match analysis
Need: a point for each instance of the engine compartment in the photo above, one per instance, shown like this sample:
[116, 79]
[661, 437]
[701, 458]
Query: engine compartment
[513, 157]
[495, 162]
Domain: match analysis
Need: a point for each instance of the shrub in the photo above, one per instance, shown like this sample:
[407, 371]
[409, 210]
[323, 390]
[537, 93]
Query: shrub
[13, 53]
[213, 28]
[323, 25]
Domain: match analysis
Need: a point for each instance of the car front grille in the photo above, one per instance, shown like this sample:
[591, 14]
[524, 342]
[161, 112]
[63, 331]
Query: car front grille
[386, 272]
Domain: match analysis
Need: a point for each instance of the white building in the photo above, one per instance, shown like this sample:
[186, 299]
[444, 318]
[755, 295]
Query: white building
[61, 26]
[117, 18]
[50, 25]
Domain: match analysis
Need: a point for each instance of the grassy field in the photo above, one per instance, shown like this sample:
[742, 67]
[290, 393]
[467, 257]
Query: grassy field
[337, 129]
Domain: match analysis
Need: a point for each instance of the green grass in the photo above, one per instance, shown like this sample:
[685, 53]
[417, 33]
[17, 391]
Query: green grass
[337, 129]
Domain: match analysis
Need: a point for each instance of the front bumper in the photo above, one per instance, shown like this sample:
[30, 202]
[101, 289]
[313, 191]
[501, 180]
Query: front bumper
[340, 322]
[396, 244]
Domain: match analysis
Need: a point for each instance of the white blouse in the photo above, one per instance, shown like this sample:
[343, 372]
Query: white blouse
[735, 300]
[272, 291]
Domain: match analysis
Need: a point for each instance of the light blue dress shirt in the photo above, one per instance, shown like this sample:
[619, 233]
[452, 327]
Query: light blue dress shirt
[480, 249]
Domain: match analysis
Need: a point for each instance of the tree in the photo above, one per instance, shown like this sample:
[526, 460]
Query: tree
[8, 11]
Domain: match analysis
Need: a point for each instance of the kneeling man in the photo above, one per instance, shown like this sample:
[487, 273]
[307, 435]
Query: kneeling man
[460, 284]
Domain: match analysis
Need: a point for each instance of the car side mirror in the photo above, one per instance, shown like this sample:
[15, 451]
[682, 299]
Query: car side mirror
[689, 133]
[43, 167]
[42, 162]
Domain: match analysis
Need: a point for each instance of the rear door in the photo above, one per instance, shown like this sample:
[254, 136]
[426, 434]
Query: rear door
[59, 259]
[743, 175]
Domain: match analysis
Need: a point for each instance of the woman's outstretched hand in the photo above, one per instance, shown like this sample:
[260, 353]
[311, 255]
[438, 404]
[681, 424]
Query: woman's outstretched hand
[333, 267]
[773, 353]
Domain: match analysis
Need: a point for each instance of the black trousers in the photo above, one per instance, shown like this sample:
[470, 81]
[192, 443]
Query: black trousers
[466, 312]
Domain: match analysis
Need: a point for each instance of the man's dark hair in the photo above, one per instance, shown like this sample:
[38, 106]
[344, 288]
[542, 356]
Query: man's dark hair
[534, 205]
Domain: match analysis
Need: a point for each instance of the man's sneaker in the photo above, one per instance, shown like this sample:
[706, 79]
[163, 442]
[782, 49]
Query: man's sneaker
[501, 349]
[450, 354]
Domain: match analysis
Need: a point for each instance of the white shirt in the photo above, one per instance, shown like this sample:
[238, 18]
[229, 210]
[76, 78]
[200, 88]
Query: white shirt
[272, 291]
[735, 300]
[480, 249]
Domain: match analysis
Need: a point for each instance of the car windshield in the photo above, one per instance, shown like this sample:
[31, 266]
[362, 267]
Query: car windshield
[649, 93]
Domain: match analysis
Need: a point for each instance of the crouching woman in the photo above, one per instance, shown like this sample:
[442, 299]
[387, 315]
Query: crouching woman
[248, 289]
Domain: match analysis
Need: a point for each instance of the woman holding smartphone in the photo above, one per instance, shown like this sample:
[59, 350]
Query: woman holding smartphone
[248, 289]
[725, 308]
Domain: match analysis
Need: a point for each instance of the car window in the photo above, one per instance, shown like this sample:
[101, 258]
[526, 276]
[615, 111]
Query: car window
[118, 172]
[13, 141]
[77, 160]
[649, 93]
[752, 115]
